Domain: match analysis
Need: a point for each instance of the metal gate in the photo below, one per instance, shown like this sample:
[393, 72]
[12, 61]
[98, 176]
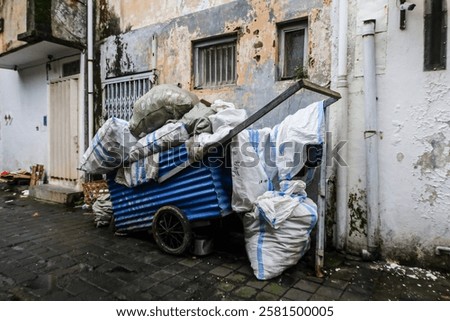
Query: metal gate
[120, 94]
[63, 129]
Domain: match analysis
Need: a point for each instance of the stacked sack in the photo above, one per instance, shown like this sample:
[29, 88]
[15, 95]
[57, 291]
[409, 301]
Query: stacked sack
[116, 142]
[165, 117]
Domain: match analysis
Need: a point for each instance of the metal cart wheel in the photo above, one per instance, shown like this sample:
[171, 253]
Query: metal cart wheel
[171, 230]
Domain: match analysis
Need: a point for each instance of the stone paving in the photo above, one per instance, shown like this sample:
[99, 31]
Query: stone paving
[52, 252]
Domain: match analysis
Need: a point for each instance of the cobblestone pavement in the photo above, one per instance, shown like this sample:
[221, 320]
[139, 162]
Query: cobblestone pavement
[51, 252]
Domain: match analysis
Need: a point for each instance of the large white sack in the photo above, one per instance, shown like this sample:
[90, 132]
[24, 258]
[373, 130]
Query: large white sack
[280, 154]
[168, 136]
[228, 118]
[304, 127]
[250, 179]
[109, 148]
[219, 105]
[277, 232]
[160, 104]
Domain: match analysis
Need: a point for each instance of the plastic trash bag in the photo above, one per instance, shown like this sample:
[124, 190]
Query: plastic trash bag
[157, 106]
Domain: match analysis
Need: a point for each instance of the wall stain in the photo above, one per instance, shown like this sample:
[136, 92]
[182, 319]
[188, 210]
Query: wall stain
[109, 22]
[358, 212]
[430, 195]
[438, 157]
[330, 220]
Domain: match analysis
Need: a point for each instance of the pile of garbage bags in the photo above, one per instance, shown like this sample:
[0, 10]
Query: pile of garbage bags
[165, 117]
[277, 214]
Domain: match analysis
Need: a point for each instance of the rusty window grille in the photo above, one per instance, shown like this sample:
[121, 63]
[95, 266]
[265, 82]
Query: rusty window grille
[215, 62]
[435, 50]
[120, 94]
[293, 39]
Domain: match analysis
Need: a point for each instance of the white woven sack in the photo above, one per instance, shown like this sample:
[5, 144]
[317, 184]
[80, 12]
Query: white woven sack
[277, 232]
[109, 148]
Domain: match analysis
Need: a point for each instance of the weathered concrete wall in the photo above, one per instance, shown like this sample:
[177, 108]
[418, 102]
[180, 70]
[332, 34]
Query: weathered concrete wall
[14, 13]
[414, 145]
[254, 21]
[23, 96]
[69, 20]
[65, 21]
[138, 14]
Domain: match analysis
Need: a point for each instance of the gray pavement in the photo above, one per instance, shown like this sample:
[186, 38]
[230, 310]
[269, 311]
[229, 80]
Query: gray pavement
[52, 252]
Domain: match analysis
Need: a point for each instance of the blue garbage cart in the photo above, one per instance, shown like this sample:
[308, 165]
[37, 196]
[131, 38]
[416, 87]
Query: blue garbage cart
[189, 191]
[199, 194]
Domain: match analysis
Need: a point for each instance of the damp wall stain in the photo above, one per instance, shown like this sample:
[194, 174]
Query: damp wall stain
[108, 21]
[357, 205]
[439, 155]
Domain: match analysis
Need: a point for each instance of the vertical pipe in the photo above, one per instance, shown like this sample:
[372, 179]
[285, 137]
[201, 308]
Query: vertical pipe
[342, 108]
[371, 134]
[90, 67]
[81, 113]
[321, 202]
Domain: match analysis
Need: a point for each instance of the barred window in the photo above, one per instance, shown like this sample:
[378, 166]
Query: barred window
[215, 62]
[120, 94]
[435, 57]
[293, 38]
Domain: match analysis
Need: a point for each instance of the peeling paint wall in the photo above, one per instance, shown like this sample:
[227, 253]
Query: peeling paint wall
[414, 146]
[14, 13]
[254, 21]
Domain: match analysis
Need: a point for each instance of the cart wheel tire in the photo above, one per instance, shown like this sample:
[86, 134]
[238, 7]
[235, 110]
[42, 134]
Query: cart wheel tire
[171, 230]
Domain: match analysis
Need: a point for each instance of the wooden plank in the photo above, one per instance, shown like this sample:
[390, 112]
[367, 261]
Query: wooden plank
[22, 176]
[36, 174]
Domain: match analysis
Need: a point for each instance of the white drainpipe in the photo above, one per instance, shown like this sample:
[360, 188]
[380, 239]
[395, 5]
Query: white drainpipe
[342, 87]
[371, 136]
[90, 67]
[82, 112]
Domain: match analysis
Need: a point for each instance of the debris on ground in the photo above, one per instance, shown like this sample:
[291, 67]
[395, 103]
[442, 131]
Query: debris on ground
[103, 211]
[19, 177]
[412, 272]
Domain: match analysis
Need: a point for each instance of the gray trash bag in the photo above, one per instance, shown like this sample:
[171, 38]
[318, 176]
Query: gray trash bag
[155, 108]
[103, 211]
[196, 120]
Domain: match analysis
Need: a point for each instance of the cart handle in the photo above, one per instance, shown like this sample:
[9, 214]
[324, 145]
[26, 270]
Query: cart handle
[303, 83]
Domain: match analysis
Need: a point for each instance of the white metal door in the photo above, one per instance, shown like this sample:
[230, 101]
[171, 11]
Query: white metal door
[63, 129]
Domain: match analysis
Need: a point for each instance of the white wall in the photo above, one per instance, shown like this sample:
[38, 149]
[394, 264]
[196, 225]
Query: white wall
[23, 95]
[414, 149]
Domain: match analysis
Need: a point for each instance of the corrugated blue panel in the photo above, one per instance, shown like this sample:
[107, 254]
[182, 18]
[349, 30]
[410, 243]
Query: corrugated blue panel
[171, 158]
[201, 192]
